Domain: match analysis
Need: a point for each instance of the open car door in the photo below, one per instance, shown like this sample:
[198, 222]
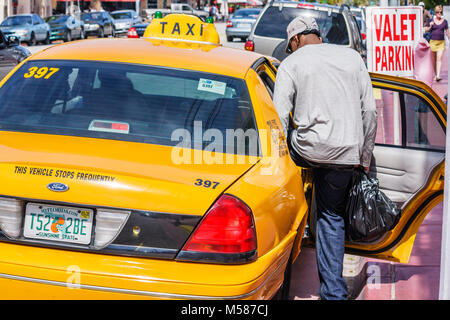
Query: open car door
[408, 160]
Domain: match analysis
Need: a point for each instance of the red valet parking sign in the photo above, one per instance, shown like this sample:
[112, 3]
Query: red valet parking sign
[392, 34]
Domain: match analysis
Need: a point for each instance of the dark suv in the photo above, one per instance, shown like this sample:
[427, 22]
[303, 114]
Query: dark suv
[337, 25]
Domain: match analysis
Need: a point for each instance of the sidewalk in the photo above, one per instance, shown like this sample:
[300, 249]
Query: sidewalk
[373, 279]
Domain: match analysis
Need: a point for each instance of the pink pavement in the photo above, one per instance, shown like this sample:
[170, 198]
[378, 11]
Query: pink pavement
[417, 280]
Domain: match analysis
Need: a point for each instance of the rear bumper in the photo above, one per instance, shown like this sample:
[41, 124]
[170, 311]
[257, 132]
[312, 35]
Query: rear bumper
[122, 31]
[21, 37]
[232, 32]
[57, 35]
[28, 272]
[93, 32]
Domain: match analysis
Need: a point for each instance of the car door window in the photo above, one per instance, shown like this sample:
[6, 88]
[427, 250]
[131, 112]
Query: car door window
[267, 75]
[407, 121]
[410, 143]
[268, 82]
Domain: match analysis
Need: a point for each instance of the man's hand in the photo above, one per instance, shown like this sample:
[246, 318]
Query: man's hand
[365, 168]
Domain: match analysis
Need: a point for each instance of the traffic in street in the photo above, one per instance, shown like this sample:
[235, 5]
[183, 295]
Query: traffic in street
[146, 155]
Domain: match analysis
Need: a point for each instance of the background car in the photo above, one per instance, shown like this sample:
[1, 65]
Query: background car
[240, 24]
[65, 27]
[337, 25]
[360, 16]
[137, 30]
[99, 24]
[124, 20]
[26, 27]
[11, 53]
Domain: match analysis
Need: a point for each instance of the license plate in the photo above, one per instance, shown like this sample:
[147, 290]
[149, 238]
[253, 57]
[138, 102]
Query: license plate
[244, 25]
[58, 223]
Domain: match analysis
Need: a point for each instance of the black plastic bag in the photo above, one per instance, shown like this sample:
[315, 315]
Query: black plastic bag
[370, 213]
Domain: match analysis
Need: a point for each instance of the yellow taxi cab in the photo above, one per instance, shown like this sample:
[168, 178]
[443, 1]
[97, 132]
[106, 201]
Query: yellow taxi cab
[156, 168]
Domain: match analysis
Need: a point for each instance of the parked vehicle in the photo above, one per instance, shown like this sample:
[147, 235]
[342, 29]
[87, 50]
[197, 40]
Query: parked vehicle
[337, 26]
[26, 27]
[241, 23]
[360, 16]
[178, 8]
[124, 20]
[11, 53]
[137, 30]
[99, 24]
[65, 27]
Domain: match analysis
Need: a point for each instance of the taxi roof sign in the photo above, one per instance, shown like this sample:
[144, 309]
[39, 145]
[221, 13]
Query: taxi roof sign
[182, 27]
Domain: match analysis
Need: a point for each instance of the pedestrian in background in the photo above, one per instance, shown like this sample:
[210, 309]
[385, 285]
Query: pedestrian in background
[438, 27]
[427, 17]
[329, 92]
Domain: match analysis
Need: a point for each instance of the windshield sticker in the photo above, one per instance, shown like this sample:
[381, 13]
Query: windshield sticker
[212, 86]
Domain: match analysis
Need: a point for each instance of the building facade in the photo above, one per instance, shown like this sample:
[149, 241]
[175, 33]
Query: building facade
[108, 5]
[6, 9]
[40, 7]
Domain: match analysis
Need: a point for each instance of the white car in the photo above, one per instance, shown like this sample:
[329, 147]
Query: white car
[124, 20]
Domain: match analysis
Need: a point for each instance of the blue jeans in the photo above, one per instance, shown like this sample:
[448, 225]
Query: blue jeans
[331, 193]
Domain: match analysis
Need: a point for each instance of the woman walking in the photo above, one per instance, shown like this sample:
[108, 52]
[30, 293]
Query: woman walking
[438, 26]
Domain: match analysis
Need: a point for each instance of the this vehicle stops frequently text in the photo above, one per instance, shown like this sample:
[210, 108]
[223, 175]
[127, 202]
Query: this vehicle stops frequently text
[165, 174]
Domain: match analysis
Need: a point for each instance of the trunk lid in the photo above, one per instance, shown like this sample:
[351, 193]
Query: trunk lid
[111, 173]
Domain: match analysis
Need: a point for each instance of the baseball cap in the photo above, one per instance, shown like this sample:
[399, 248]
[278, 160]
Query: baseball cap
[421, 4]
[298, 25]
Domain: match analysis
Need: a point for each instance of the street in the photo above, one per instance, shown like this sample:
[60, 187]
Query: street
[220, 27]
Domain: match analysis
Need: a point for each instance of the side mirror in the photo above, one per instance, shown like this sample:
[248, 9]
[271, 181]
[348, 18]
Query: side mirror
[13, 41]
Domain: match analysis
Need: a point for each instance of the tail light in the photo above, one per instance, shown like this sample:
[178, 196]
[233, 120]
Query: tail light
[249, 45]
[226, 234]
[11, 217]
[132, 33]
[305, 5]
[229, 24]
[363, 35]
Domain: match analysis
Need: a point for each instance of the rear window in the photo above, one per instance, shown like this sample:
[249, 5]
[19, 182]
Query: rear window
[274, 22]
[93, 16]
[250, 14]
[128, 102]
[16, 21]
[121, 15]
[56, 19]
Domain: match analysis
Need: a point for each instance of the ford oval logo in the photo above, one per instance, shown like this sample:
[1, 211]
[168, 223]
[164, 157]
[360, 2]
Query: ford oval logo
[58, 187]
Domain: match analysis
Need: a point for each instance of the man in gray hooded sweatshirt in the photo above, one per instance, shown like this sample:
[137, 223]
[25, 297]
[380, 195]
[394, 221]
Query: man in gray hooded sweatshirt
[329, 92]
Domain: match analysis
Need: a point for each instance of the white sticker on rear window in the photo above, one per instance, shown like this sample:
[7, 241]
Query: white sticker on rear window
[212, 86]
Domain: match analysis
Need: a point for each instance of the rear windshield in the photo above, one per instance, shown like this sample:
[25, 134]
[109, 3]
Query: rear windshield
[56, 19]
[250, 14]
[127, 102]
[121, 15]
[274, 22]
[93, 16]
[16, 21]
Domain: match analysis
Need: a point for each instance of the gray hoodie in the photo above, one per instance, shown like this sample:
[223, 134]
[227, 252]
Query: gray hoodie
[329, 91]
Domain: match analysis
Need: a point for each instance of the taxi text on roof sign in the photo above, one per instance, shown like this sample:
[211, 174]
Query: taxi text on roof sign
[182, 27]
